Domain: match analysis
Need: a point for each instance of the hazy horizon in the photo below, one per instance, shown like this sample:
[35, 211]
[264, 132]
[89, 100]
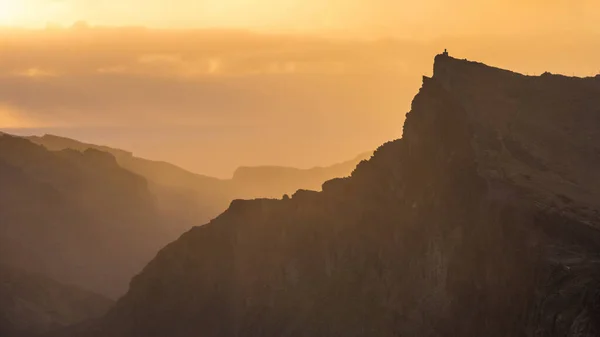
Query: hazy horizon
[214, 85]
[375, 198]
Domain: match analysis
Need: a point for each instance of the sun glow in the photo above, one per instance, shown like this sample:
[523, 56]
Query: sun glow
[9, 119]
[33, 13]
[10, 11]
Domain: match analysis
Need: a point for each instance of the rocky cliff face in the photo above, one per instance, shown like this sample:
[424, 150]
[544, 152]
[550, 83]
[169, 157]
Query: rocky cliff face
[483, 220]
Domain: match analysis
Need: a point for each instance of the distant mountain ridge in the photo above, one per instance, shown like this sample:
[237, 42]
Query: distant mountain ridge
[187, 198]
[201, 197]
[243, 173]
[93, 216]
[483, 220]
[271, 181]
[73, 216]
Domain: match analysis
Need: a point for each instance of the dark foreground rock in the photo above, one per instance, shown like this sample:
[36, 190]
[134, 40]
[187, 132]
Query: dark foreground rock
[483, 220]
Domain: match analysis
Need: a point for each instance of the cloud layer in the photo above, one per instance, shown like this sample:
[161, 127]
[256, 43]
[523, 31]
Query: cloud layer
[211, 100]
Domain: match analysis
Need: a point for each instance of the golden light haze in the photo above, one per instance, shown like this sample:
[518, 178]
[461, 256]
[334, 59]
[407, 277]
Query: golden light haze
[11, 119]
[365, 17]
[212, 85]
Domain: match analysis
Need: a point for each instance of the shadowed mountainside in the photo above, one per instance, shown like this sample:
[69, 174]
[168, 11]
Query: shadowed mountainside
[93, 216]
[192, 199]
[483, 220]
[33, 304]
[77, 217]
[186, 198]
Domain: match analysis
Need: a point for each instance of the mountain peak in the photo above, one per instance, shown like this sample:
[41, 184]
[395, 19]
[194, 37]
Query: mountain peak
[446, 67]
[482, 220]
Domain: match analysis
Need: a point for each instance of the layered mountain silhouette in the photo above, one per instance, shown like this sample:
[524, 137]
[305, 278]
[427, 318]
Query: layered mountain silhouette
[186, 198]
[76, 217]
[193, 199]
[32, 304]
[483, 220]
[93, 216]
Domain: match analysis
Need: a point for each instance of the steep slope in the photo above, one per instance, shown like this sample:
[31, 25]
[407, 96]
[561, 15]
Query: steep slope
[186, 198]
[191, 199]
[32, 304]
[78, 218]
[483, 220]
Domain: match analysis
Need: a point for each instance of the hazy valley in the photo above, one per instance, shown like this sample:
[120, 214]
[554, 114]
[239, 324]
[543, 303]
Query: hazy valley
[92, 217]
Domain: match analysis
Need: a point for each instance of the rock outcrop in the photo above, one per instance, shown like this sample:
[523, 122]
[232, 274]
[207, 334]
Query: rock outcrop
[483, 220]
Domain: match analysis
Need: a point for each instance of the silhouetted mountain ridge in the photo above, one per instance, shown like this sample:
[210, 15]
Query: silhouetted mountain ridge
[192, 199]
[483, 220]
[77, 217]
[186, 198]
[93, 216]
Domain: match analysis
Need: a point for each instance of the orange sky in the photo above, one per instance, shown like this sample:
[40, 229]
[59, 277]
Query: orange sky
[250, 92]
[406, 18]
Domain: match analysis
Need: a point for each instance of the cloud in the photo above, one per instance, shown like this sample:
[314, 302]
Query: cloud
[116, 76]
[236, 97]
[175, 65]
[193, 53]
[10, 119]
[35, 73]
[199, 76]
[15, 118]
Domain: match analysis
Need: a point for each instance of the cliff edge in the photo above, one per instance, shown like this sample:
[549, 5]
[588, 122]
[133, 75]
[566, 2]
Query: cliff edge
[483, 220]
